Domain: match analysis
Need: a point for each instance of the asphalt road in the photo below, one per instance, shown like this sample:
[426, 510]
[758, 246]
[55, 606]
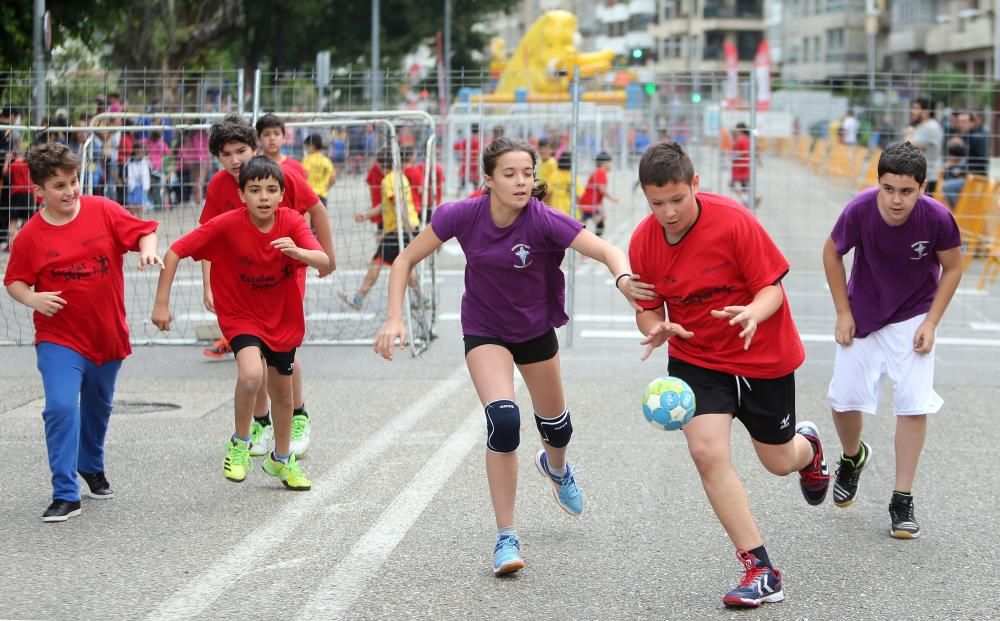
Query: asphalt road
[399, 525]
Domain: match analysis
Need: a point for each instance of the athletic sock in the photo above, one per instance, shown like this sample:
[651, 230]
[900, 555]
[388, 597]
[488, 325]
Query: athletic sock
[857, 458]
[282, 458]
[264, 420]
[761, 555]
[903, 494]
[300, 411]
[236, 437]
[558, 472]
[506, 530]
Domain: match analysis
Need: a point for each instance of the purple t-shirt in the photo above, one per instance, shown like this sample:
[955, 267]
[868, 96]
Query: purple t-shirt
[514, 289]
[896, 270]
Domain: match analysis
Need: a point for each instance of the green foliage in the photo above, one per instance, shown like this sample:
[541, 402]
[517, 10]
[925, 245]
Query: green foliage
[956, 89]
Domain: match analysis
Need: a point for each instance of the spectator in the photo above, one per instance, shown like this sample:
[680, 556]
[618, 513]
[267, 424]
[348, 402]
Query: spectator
[955, 169]
[927, 135]
[849, 126]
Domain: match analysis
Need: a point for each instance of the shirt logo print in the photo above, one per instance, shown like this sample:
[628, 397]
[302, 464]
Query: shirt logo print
[920, 248]
[523, 253]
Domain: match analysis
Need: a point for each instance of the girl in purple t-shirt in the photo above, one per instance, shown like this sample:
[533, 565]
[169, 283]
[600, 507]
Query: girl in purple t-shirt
[907, 265]
[513, 301]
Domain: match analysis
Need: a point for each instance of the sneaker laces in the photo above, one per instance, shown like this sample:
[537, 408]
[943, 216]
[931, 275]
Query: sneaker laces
[507, 541]
[236, 455]
[848, 473]
[751, 570]
[294, 470]
[813, 475]
[299, 424]
[567, 483]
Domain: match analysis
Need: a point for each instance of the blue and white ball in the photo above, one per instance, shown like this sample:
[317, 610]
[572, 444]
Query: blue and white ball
[668, 403]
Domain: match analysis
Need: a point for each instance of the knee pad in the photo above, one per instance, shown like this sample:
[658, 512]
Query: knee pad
[557, 431]
[503, 426]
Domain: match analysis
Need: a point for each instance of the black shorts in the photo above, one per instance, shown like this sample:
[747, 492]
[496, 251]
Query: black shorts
[282, 361]
[538, 349]
[20, 206]
[766, 407]
[388, 249]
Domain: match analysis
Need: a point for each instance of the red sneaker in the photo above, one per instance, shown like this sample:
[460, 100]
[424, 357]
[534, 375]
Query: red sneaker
[814, 479]
[218, 349]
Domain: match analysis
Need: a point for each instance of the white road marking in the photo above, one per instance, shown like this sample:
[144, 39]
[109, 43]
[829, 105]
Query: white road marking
[199, 593]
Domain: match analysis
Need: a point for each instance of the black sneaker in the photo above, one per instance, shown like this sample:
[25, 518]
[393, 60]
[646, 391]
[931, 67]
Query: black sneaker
[904, 522]
[814, 479]
[61, 510]
[98, 486]
[845, 487]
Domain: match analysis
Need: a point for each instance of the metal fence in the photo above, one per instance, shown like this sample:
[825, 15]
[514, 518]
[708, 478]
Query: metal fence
[811, 147]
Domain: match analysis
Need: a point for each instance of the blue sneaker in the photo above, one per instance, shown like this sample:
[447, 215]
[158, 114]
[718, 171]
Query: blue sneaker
[507, 555]
[564, 489]
[760, 584]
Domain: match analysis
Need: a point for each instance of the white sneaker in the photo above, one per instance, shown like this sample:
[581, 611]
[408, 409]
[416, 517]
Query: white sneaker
[261, 439]
[300, 435]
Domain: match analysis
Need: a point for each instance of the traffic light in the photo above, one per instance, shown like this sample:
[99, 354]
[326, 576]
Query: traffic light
[637, 54]
[695, 97]
[650, 88]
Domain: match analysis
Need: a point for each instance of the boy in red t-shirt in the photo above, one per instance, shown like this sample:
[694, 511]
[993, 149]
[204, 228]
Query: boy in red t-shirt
[300, 196]
[22, 201]
[256, 253]
[414, 172]
[66, 264]
[717, 275]
[233, 141]
[592, 200]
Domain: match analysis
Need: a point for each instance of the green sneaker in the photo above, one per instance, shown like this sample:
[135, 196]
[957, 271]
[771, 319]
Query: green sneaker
[237, 460]
[261, 437]
[300, 434]
[291, 474]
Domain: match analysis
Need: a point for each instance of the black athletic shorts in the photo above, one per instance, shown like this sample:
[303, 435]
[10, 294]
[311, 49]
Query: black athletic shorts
[538, 349]
[282, 361]
[388, 249]
[766, 407]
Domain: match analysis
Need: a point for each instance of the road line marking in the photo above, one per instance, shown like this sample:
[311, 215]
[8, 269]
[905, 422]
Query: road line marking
[342, 588]
[201, 591]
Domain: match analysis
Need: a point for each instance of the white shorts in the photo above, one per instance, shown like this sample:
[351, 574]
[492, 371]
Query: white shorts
[859, 367]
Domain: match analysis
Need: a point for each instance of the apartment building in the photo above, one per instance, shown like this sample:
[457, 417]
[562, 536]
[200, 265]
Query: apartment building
[819, 39]
[940, 35]
[690, 34]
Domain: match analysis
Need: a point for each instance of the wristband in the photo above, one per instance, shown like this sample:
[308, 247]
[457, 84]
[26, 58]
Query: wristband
[620, 276]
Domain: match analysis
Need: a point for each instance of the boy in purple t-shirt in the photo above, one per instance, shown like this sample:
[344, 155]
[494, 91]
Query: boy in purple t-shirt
[513, 301]
[907, 265]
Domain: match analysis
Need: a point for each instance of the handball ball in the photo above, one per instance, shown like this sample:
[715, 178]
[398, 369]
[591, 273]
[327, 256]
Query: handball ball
[668, 403]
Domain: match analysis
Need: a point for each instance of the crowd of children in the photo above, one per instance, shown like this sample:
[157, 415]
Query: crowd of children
[730, 327]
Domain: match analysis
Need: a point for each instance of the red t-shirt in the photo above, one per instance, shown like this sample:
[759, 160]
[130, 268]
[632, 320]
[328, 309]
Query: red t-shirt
[415, 175]
[83, 260]
[723, 260]
[254, 284]
[290, 163]
[223, 194]
[298, 195]
[374, 181]
[593, 197]
[741, 158]
[20, 176]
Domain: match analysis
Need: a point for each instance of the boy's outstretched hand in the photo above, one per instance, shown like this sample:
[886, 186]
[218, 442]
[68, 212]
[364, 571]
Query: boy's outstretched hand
[633, 289]
[287, 246]
[659, 335]
[148, 260]
[742, 315]
[161, 317]
[386, 338]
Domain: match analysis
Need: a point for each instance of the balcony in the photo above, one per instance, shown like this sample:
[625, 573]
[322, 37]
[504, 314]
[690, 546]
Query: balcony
[902, 41]
[742, 9]
[966, 34]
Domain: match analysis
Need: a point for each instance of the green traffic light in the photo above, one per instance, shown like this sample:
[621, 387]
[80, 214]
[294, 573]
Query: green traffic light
[650, 88]
[695, 97]
[636, 53]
